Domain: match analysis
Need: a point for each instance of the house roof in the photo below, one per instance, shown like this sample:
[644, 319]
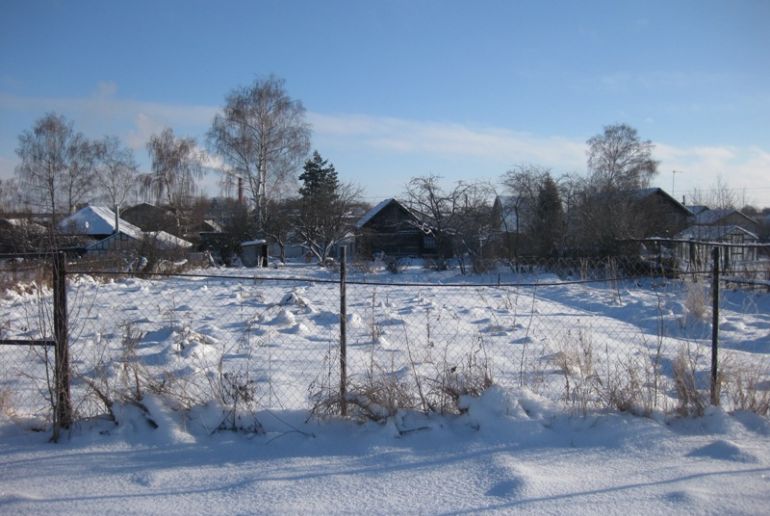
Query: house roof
[697, 208]
[714, 216]
[369, 215]
[161, 240]
[33, 227]
[644, 193]
[94, 221]
[167, 240]
[258, 241]
[713, 233]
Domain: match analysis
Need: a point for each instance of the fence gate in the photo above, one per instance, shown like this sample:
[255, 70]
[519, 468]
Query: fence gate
[33, 373]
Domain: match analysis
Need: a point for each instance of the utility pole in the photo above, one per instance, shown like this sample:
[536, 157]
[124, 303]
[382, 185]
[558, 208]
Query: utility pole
[673, 181]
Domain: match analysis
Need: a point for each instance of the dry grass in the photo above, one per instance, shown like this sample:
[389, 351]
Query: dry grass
[696, 301]
[692, 400]
[748, 386]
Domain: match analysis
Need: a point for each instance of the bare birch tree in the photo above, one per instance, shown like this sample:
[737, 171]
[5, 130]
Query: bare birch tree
[176, 166]
[263, 136]
[116, 171]
[619, 160]
[57, 165]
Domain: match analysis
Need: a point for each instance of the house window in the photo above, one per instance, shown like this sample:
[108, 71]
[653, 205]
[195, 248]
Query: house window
[428, 243]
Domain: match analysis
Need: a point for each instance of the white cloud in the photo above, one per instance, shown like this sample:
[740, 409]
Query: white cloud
[741, 167]
[105, 113]
[413, 144]
[744, 169]
[144, 126]
[438, 138]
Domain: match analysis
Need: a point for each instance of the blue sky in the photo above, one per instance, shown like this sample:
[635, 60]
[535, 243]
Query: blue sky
[396, 89]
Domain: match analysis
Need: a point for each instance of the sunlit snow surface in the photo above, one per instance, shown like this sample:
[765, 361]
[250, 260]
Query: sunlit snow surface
[517, 449]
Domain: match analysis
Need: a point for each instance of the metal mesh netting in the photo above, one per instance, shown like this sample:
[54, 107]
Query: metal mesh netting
[590, 335]
[26, 314]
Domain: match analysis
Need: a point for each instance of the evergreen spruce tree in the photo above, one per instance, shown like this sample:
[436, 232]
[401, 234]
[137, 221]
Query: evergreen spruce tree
[324, 204]
[549, 218]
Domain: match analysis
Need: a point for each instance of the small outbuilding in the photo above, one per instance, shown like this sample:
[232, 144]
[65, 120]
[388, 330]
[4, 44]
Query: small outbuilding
[254, 253]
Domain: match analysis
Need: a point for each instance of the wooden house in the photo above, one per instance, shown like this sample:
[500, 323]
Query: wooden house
[392, 229]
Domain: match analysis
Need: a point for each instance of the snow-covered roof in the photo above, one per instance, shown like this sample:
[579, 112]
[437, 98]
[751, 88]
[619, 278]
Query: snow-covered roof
[215, 226]
[94, 221]
[167, 240]
[258, 241]
[714, 233]
[369, 215]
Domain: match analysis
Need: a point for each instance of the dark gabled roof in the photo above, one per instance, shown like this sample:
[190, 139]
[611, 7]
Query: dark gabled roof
[646, 193]
[697, 208]
[369, 215]
[707, 216]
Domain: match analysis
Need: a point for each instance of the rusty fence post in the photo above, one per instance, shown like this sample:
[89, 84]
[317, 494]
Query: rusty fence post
[63, 409]
[343, 334]
[714, 326]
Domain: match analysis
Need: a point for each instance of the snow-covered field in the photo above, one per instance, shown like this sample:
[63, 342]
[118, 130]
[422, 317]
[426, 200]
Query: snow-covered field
[205, 354]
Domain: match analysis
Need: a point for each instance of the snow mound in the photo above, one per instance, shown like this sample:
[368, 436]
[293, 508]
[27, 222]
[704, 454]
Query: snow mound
[355, 321]
[295, 298]
[723, 450]
[285, 317]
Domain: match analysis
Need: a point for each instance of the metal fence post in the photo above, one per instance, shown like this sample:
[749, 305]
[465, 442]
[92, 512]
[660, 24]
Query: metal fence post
[343, 333]
[714, 326]
[63, 411]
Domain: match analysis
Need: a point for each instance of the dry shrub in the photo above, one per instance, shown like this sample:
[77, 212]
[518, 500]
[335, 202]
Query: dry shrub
[632, 385]
[692, 400]
[238, 394]
[6, 405]
[471, 377]
[576, 364]
[104, 390]
[25, 277]
[382, 393]
[696, 300]
[377, 397]
[749, 388]
[363, 266]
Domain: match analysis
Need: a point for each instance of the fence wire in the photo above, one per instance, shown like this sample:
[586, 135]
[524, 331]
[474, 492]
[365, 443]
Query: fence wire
[26, 326]
[591, 335]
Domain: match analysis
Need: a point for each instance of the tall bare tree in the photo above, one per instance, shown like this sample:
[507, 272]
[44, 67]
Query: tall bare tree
[719, 196]
[535, 209]
[57, 164]
[279, 225]
[619, 160]
[522, 184]
[176, 166]
[10, 196]
[459, 219]
[116, 171]
[263, 136]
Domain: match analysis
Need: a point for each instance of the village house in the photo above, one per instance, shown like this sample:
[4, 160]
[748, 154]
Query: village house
[730, 228]
[103, 230]
[392, 229]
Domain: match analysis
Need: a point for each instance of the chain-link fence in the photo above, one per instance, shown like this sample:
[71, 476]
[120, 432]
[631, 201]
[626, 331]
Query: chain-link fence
[27, 354]
[593, 334]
